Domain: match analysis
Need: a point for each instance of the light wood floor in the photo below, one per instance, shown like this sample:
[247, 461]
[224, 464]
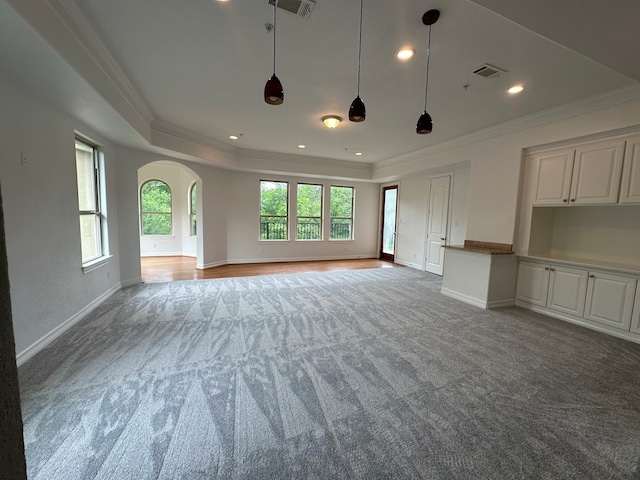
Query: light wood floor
[168, 269]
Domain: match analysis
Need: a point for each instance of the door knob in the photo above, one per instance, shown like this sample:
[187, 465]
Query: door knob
[592, 276]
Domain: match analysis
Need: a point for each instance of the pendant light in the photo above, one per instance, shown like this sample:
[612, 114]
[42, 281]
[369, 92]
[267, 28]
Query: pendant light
[425, 123]
[273, 91]
[357, 111]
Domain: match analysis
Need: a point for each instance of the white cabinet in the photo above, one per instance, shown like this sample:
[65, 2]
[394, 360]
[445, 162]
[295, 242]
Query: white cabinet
[556, 287]
[591, 297]
[587, 175]
[630, 186]
[610, 299]
[567, 290]
[553, 177]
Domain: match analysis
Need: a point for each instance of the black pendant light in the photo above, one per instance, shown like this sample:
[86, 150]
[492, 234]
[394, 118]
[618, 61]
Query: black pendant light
[273, 91]
[357, 111]
[425, 123]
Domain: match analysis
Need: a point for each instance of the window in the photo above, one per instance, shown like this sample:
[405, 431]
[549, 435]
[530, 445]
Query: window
[274, 220]
[193, 203]
[92, 221]
[341, 211]
[309, 207]
[155, 208]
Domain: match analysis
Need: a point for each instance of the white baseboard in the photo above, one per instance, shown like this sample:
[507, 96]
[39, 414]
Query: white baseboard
[164, 254]
[210, 265]
[417, 266]
[239, 261]
[39, 345]
[476, 302]
[130, 282]
[502, 303]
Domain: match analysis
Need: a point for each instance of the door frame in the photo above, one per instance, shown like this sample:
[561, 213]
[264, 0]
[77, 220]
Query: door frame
[386, 256]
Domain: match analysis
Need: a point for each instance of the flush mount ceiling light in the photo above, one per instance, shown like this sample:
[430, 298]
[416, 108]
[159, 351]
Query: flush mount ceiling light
[331, 121]
[357, 110]
[425, 123]
[515, 89]
[405, 53]
[273, 91]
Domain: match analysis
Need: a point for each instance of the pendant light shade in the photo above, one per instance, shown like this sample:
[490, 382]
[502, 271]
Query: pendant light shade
[273, 91]
[425, 123]
[357, 111]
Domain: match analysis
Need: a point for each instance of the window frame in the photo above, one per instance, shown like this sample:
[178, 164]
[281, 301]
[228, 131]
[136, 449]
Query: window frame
[142, 213]
[286, 217]
[98, 212]
[351, 218]
[321, 217]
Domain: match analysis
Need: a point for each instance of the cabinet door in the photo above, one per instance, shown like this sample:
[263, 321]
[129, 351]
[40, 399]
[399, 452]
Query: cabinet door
[552, 180]
[630, 186]
[635, 318]
[610, 299]
[596, 173]
[567, 290]
[532, 283]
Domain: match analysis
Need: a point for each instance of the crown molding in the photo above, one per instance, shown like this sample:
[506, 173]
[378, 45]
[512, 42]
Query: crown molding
[597, 102]
[176, 131]
[78, 23]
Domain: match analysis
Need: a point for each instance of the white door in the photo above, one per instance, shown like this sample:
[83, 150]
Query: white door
[567, 290]
[437, 227]
[610, 299]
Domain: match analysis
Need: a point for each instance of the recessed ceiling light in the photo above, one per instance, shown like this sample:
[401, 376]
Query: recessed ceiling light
[405, 53]
[302, 146]
[515, 89]
[358, 154]
[233, 137]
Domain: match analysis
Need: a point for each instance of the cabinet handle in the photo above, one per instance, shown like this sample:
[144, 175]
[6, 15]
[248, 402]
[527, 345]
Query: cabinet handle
[546, 268]
[573, 199]
[592, 276]
[552, 269]
[564, 200]
[443, 238]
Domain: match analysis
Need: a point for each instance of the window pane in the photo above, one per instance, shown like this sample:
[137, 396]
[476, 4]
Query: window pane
[273, 198]
[341, 208]
[274, 210]
[194, 199]
[86, 177]
[155, 196]
[156, 224]
[89, 236]
[309, 208]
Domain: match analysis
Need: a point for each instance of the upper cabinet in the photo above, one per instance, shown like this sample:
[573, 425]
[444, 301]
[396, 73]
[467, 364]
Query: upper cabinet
[630, 186]
[586, 175]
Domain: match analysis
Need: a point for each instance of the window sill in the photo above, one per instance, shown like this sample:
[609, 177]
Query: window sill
[95, 264]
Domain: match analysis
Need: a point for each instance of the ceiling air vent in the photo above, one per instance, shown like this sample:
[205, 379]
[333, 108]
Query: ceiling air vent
[489, 71]
[301, 8]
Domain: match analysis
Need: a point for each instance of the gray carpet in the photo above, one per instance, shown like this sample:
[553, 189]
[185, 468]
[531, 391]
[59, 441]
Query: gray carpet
[365, 374]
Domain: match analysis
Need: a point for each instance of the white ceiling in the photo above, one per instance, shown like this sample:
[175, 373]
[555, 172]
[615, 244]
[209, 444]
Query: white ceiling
[199, 67]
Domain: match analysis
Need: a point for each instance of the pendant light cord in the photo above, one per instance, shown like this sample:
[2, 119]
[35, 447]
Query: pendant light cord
[360, 47]
[426, 86]
[274, 36]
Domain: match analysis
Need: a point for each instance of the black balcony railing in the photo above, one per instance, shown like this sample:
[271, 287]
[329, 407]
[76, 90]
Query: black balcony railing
[276, 229]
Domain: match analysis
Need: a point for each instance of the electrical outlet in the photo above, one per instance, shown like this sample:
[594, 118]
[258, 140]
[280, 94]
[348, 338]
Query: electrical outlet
[23, 160]
[154, 245]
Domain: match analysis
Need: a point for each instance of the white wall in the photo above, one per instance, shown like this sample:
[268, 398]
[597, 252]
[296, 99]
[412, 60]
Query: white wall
[243, 223]
[179, 180]
[48, 286]
[413, 213]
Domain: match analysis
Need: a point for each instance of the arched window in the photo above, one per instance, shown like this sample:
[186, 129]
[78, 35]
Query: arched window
[193, 204]
[155, 208]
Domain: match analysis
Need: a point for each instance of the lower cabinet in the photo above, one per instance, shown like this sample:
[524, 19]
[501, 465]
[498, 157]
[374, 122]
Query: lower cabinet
[589, 296]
